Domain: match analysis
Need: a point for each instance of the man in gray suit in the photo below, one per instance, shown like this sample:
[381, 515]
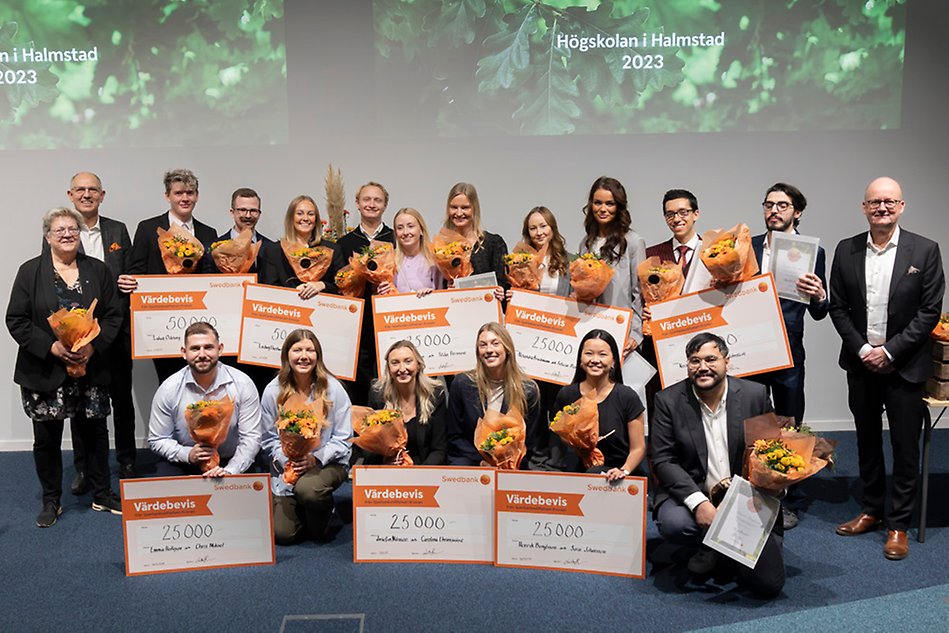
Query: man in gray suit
[697, 439]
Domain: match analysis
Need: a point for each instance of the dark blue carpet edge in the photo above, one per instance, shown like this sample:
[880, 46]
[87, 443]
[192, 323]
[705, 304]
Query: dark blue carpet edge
[71, 576]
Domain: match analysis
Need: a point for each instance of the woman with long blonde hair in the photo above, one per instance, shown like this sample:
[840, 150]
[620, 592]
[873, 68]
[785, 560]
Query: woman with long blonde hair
[415, 266]
[463, 215]
[302, 225]
[496, 383]
[304, 508]
[405, 386]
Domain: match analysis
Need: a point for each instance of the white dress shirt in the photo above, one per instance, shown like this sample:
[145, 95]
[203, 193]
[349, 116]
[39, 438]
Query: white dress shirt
[692, 244]
[548, 281]
[91, 240]
[715, 425]
[188, 226]
[878, 273]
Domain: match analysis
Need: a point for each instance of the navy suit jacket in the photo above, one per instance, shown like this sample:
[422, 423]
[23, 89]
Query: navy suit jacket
[793, 311]
[146, 257]
[915, 301]
[677, 435]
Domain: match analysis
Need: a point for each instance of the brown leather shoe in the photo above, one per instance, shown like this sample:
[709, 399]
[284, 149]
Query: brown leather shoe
[896, 546]
[863, 523]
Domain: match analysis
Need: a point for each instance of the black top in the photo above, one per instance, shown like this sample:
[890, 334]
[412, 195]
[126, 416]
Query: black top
[427, 442]
[619, 407]
[279, 272]
[488, 256]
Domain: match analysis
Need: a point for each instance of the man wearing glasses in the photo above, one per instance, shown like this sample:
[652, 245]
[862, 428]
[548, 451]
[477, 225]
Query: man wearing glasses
[886, 294]
[783, 206]
[697, 440]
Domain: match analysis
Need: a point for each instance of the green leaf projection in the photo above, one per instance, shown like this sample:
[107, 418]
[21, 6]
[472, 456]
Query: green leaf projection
[142, 73]
[461, 68]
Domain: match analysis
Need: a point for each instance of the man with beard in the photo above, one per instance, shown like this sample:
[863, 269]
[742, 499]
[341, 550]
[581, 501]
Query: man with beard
[204, 379]
[783, 206]
[698, 440]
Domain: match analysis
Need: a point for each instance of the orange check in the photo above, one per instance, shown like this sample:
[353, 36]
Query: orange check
[746, 315]
[443, 325]
[547, 330]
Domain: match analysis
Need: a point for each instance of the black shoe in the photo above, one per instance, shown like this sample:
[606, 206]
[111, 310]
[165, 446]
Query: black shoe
[127, 471]
[47, 517]
[789, 518]
[703, 562]
[79, 485]
[109, 502]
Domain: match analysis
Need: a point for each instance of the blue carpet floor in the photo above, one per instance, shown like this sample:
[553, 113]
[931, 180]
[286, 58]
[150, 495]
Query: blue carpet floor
[71, 577]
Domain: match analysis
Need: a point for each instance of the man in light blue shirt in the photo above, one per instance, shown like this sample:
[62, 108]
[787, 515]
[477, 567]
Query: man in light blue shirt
[203, 379]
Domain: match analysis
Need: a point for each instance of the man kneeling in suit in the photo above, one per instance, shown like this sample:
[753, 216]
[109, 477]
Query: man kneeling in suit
[698, 439]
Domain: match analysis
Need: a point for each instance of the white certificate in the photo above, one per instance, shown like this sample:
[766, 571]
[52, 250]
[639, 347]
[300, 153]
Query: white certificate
[481, 280]
[571, 522]
[164, 305]
[742, 523]
[792, 255]
[443, 325]
[182, 523]
[270, 313]
[746, 315]
[547, 330]
[423, 514]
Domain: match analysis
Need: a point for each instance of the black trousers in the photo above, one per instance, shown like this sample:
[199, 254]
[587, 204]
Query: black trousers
[48, 457]
[869, 395]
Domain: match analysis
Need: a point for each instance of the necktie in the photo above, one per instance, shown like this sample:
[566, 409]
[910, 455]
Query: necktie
[683, 253]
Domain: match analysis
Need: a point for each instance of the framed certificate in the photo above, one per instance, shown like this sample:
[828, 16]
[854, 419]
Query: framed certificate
[269, 313]
[742, 523]
[164, 305]
[746, 315]
[423, 514]
[547, 330]
[183, 523]
[443, 325]
[571, 522]
[792, 255]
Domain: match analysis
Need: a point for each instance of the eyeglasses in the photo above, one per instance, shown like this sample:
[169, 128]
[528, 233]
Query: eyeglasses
[246, 211]
[682, 213]
[888, 203]
[65, 231]
[90, 190]
[696, 362]
[783, 205]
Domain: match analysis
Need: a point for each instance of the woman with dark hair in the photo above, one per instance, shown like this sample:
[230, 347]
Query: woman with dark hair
[421, 399]
[609, 234]
[302, 225]
[306, 507]
[64, 278]
[598, 376]
[497, 382]
[463, 214]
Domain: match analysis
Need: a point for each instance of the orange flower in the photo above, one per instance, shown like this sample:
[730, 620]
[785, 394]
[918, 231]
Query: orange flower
[114, 246]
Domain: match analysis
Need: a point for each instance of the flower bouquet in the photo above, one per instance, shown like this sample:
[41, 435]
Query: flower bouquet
[180, 251]
[349, 282]
[779, 457]
[208, 423]
[502, 439]
[299, 424]
[452, 254]
[523, 267]
[375, 262]
[728, 255]
[309, 263]
[73, 329]
[941, 331]
[590, 274]
[236, 256]
[578, 425]
[381, 432]
[659, 280]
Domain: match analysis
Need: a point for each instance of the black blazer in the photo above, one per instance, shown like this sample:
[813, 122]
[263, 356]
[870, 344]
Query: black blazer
[677, 435]
[33, 299]
[793, 311]
[427, 442]
[145, 256]
[915, 301]
[262, 265]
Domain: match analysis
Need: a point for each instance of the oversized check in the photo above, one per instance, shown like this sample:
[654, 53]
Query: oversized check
[164, 305]
[443, 325]
[547, 330]
[571, 522]
[746, 315]
[269, 313]
[423, 514]
[182, 523]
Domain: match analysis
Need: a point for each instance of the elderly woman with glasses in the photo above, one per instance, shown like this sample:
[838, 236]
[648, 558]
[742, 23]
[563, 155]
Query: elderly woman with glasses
[64, 278]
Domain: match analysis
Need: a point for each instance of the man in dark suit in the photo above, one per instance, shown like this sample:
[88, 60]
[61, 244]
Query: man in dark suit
[783, 206]
[181, 191]
[107, 240]
[886, 294]
[697, 440]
